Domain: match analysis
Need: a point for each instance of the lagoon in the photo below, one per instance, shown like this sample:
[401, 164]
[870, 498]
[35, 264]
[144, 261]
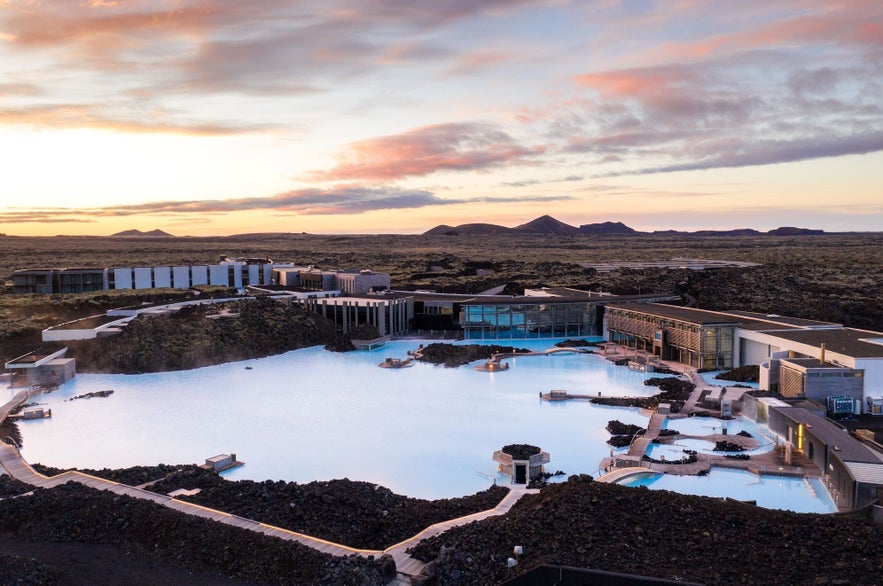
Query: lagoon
[425, 431]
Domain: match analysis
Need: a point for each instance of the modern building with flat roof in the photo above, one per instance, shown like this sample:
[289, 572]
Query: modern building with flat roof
[235, 273]
[852, 471]
[798, 358]
[547, 313]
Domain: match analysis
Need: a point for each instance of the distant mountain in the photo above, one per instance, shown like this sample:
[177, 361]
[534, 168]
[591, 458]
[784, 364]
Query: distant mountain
[446, 230]
[548, 225]
[789, 231]
[736, 232]
[607, 229]
[140, 234]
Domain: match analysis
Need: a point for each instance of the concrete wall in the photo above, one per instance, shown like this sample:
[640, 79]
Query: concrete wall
[218, 275]
[181, 277]
[122, 278]
[749, 351]
[199, 275]
[143, 278]
[162, 276]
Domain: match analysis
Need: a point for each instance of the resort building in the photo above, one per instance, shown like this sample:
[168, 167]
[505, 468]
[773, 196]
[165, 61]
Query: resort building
[236, 272]
[798, 358]
[391, 314]
[853, 472]
[545, 313]
[45, 370]
[347, 282]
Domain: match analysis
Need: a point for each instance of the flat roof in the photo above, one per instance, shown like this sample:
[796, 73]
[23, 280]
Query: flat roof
[844, 445]
[643, 299]
[866, 472]
[813, 363]
[782, 319]
[847, 341]
[687, 314]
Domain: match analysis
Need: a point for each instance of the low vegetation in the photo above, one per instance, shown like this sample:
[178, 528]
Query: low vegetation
[191, 338]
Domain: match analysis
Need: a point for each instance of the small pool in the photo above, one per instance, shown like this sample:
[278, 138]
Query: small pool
[675, 451]
[801, 495]
[711, 378]
[713, 425]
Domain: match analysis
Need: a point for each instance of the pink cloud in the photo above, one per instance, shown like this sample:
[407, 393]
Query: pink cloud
[426, 150]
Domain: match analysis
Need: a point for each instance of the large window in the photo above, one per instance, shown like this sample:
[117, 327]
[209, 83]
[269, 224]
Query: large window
[529, 320]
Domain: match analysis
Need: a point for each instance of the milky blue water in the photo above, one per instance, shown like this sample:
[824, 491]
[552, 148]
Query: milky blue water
[425, 431]
[771, 492]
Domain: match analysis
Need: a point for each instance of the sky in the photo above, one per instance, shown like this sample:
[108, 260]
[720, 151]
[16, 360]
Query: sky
[218, 117]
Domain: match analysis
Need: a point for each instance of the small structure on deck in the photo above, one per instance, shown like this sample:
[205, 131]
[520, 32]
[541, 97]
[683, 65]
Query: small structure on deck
[42, 369]
[221, 462]
[372, 344]
[34, 412]
[493, 364]
[521, 462]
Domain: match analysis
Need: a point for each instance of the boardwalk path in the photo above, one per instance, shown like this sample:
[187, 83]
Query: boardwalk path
[12, 463]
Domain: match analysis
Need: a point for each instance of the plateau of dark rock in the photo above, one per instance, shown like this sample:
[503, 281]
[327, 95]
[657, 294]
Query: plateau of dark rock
[617, 427]
[11, 487]
[629, 530]
[99, 394]
[742, 374]
[520, 451]
[357, 514]
[574, 343]
[133, 476]
[72, 513]
[452, 355]
[726, 446]
[190, 339]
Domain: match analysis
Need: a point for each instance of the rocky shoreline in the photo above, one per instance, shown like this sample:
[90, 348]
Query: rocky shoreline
[145, 531]
[356, 514]
[661, 534]
[578, 523]
[453, 355]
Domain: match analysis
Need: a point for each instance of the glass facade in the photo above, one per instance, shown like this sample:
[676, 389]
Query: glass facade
[529, 320]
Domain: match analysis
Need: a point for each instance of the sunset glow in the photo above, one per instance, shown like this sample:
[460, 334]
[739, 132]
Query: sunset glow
[213, 117]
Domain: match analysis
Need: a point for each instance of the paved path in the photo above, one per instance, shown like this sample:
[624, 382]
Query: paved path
[410, 566]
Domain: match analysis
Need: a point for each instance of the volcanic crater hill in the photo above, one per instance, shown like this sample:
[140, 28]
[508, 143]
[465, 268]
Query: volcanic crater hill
[661, 534]
[139, 234]
[548, 226]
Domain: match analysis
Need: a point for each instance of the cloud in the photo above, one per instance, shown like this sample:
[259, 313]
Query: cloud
[529, 182]
[770, 152]
[63, 116]
[426, 150]
[338, 200]
[341, 200]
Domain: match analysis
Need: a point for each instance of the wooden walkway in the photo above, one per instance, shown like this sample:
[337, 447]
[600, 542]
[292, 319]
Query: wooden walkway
[654, 427]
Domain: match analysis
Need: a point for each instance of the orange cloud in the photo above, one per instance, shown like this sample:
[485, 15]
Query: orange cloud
[66, 116]
[426, 150]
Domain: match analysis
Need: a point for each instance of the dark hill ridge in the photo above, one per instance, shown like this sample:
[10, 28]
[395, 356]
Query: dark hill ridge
[548, 226]
[606, 229]
[139, 234]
